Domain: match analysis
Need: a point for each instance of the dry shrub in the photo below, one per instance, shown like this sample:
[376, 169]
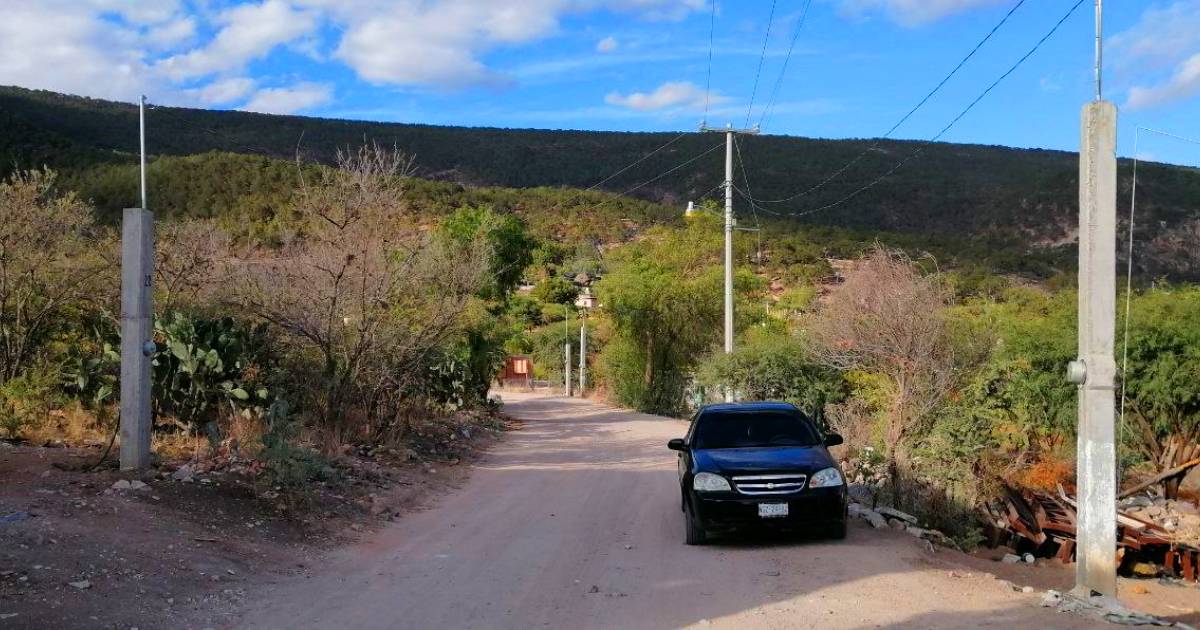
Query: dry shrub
[48, 265]
[359, 293]
[190, 264]
[1045, 475]
[855, 421]
[887, 320]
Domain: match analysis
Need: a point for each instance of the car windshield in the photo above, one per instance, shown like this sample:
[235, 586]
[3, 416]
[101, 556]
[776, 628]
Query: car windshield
[746, 429]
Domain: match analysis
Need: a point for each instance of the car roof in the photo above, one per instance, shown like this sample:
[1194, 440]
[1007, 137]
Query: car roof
[750, 406]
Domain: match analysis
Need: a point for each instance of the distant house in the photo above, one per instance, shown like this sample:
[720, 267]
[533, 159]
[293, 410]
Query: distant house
[585, 299]
[518, 372]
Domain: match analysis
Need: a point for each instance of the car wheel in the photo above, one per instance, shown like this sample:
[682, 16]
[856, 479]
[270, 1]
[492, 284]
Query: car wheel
[837, 530]
[695, 535]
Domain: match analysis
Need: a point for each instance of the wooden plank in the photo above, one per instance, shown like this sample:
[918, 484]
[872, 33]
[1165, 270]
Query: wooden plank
[1066, 550]
[1159, 478]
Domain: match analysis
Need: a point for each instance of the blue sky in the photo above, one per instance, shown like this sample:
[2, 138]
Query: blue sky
[630, 65]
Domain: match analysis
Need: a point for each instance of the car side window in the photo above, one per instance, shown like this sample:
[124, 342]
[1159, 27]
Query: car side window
[691, 433]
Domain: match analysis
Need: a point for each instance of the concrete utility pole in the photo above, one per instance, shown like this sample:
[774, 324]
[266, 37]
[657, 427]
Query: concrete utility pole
[1095, 369]
[567, 350]
[137, 328]
[729, 225]
[582, 356]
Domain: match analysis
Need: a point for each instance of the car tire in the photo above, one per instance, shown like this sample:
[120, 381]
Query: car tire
[694, 533]
[837, 530]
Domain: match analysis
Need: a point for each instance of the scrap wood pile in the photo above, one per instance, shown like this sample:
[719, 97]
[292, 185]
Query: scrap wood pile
[1149, 530]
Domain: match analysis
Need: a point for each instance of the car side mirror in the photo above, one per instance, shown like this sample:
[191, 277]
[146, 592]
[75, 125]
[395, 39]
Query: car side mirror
[677, 444]
[833, 439]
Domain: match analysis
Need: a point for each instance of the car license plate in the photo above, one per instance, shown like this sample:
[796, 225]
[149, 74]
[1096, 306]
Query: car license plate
[772, 510]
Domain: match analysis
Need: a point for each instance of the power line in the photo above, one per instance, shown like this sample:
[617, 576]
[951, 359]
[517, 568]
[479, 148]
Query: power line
[712, 25]
[1128, 284]
[948, 126]
[1163, 133]
[1129, 258]
[937, 88]
[637, 161]
[761, 57]
[673, 169]
[750, 197]
[766, 113]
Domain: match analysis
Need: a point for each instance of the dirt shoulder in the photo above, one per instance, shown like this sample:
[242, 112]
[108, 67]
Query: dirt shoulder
[1170, 600]
[75, 552]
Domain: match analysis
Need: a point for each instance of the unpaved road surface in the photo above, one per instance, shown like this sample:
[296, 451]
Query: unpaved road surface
[574, 522]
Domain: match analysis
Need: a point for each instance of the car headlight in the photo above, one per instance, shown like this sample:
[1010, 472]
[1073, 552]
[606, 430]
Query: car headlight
[827, 478]
[708, 482]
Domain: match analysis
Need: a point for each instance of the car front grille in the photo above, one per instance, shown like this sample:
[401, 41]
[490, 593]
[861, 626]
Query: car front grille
[769, 484]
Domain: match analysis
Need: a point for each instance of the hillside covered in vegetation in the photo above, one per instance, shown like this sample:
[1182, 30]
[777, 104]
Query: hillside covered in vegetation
[1010, 209]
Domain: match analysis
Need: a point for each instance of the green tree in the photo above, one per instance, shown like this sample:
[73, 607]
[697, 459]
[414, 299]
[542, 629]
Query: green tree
[556, 290]
[1161, 382]
[511, 246]
[775, 365]
[1019, 393]
[664, 296]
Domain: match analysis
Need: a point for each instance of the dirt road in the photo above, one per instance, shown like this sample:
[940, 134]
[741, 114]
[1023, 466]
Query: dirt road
[573, 522]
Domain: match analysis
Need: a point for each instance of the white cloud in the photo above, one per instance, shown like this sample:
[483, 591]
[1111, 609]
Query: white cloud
[198, 51]
[1160, 55]
[669, 95]
[606, 45]
[1184, 83]
[65, 46]
[289, 100]
[911, 12]
[443, 44]
[225, 90]
[172, 33]
[1163, 34]
[411, 42]
[248, 32]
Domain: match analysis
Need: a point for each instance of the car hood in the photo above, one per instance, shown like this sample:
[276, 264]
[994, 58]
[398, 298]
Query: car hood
[808, 459]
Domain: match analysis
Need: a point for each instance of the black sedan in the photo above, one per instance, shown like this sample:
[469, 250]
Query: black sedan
[746, 465]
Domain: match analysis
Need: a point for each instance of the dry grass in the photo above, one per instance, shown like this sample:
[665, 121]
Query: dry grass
[75, 426]
[72, 426]
[244, 435]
